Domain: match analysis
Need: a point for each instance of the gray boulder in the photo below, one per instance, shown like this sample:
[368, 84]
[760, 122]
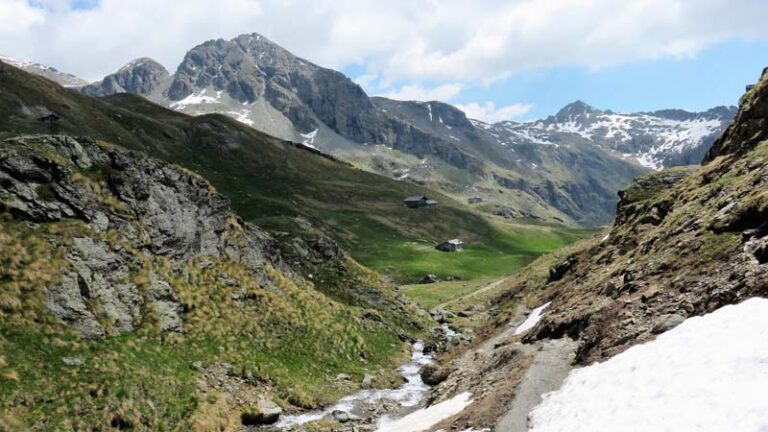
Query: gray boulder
[667, 322]
[264, 412]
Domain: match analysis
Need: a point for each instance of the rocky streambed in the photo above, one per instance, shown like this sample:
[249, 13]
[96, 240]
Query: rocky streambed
[366, 408]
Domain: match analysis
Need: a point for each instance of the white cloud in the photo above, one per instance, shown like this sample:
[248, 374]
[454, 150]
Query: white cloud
[18, 18]
[416, 92]
[403, 41]
[489, 113]
[367, 80]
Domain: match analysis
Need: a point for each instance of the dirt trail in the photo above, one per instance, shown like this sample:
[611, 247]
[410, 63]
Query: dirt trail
[482, 290]
[508, 377]
[547, 373]
[551, 364]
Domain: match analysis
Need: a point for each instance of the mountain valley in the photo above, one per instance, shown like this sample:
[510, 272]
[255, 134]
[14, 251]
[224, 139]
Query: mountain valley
[253, 243]
[553, 170]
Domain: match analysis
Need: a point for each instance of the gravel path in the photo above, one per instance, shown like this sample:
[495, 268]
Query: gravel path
[546, 374]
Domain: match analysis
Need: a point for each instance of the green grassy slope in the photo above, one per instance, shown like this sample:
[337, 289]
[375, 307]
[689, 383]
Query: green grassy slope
[280, 335]
[270, 181]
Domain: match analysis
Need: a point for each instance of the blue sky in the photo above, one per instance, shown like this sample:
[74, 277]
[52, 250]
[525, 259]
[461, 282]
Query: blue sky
[496, 59]
[716, 76]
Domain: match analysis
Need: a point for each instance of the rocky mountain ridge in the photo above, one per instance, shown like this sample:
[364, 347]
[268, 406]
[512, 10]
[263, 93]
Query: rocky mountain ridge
[255, 81]
[62, 78]
[656, 140]
[259, 83]
[563, 169]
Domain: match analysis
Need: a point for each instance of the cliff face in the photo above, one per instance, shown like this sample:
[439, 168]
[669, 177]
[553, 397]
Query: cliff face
[156, 210]
[130, 252]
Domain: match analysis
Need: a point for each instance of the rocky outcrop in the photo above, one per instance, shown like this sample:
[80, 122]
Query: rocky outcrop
[264, 412]
[750, 127]
[646, 187]
[134, 209]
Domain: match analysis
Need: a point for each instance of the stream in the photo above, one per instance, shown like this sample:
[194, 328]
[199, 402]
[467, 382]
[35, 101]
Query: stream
[376, 402]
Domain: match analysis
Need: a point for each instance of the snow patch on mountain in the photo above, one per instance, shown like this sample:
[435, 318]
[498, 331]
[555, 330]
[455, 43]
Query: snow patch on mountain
[196, 99]
[19, 63]
[242, 116]
[651, 139]
[309, 139]
[709, 374]
[533, 318]
[53, 74]
[424, 419]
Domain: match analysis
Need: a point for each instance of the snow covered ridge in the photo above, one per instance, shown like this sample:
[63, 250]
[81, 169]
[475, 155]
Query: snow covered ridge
[16, 62]
[709, 374]
[648, 138]
[62, 78]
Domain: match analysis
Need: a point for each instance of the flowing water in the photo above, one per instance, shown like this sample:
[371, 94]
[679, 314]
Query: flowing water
[361, 404]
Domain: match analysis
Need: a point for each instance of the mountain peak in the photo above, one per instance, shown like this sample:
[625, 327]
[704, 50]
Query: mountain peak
[141, 76]
[575, 109]
[144, 62]
[255, 37]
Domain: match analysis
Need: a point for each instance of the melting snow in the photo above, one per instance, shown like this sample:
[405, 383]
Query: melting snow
[533, 318]
[424, 419]
[309, 139]
[16, 62]
[25, 64]
[241, 116]
[195, 99]
[310, 135]
[481, 125]
[429, 107]
[648, 160]
[709, 374]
